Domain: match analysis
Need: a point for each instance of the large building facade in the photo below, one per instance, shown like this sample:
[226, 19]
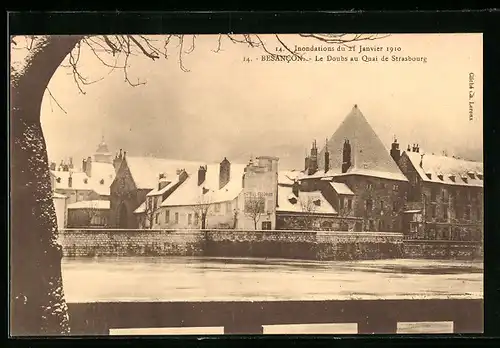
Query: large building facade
[445, 199]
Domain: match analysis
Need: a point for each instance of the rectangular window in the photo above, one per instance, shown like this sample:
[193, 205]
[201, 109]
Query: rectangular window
[196, 219]
[369, 186]
[369, 205]
[443, 195]
[395, 187]
[190, 219]
[217, 207]
[349, 204]
[167, 216]
[433, 210]
[229, 207]
[445, 213]
[394, 206]
[341, 202]
[433, 194]
[176, 218]
[478, 214]
[467, 213]
[156, 218]
[382, 205]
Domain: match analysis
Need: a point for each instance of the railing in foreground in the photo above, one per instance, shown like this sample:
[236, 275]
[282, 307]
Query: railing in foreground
[371, 316]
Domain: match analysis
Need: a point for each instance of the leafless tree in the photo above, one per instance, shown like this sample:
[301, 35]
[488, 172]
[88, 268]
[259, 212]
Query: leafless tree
[254, 209]
[37, 298]
[344, 213]
[92, 211]
[151, 210]
[309, 206]
[202, 209]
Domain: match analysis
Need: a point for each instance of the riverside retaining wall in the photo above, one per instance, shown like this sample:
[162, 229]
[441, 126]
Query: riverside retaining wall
[306, 245]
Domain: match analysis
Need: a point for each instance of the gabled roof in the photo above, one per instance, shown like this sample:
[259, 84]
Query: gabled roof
[189, 193]
[287, 177]
[302, 202]
[369, 156]
[145, 170]
[156, 191]
[341, 188]
[435, 166]
[96, 204]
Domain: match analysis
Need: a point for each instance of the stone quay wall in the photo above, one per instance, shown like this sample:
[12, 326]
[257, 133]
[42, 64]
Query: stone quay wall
[305, 245]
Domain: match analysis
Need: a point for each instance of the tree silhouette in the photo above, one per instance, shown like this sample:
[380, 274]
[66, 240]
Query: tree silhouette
[202, 209]
[37, 298]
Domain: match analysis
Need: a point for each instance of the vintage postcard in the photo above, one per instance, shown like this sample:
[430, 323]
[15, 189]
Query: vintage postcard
[246, 184]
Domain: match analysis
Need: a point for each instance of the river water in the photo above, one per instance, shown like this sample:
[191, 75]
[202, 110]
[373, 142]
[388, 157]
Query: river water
[209, 279]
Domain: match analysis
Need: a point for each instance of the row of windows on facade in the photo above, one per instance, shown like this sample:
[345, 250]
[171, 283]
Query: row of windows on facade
[450, 194]
[216, 206]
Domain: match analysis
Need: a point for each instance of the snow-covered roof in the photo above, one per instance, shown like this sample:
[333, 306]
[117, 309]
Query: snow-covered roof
[369, 156]
[58, 195]
[156, 191]
[96, 204]
[145, 170]
[141, 209]
[442, 169]
[189, 193]
[304, 203]
[341, 188]
[80, 181]
[332, 173]
[287, 177]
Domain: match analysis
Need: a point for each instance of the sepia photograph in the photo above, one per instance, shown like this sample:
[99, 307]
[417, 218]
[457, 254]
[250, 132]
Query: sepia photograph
[246, 184]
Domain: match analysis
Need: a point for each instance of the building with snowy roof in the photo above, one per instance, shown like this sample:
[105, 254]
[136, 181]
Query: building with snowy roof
[92, 213]
[357, 175]
[223, 195]
[445, 198]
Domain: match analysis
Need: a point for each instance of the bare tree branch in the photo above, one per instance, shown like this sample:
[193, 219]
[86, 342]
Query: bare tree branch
[55, 100]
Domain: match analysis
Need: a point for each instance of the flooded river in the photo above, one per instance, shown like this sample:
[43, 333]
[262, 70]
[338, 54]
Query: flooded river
[227, 279]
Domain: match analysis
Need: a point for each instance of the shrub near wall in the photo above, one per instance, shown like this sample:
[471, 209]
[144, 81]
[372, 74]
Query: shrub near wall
[443, 250]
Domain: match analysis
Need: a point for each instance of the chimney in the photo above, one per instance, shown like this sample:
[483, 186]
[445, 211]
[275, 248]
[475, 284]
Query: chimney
[306, 163]
[52, 165]
[71, 162]
[84, 165]
[162, 181]
[224, 173]
[88, 167]
[313, 159]
[408, 149]
[346, 156]
[327, 157]
[70, 180]
[395, 153]
[202, 173]
[418, 148]
[296, 188]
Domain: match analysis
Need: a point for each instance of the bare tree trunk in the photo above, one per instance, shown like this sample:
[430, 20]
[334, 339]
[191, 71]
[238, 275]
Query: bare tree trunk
[37, 298]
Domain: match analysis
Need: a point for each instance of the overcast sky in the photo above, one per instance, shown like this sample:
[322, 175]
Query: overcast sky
[227, 107]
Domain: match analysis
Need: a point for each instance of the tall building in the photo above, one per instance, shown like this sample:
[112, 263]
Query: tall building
[357, 176]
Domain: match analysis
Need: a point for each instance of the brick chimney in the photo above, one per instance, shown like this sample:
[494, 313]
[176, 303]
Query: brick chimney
[395, 152]
[162, 181]
[224, 173]
[346, 156]
[88, 167]
[71, 162]
[202, 174]
[327, 157]
[70, 180]
[296, 188]
[84, 165]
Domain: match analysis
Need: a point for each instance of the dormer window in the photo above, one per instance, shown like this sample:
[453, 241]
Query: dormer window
[101, 182]
[480, 176]
[471, 175]
[292, 199]
[317, 202]
[58, 180]
[440, 176]
[429, 175]
[85, 181]
[452, 178]
[465, 179]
